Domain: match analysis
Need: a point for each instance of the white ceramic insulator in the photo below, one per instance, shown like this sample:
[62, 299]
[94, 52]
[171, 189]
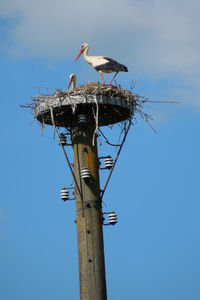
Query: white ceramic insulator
[108, 162]
[85, 173]
[82, 119]
[63, 139]
[112, 218]
[64, 194]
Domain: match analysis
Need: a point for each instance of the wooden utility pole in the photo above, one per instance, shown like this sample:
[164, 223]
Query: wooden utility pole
[89, 216]
[78, 114]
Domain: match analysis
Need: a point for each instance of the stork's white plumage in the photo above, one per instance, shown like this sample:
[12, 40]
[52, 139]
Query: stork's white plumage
[102, 64]
[72, 80]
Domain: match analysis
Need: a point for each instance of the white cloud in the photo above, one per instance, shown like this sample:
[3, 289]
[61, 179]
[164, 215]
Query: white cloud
[156, 37]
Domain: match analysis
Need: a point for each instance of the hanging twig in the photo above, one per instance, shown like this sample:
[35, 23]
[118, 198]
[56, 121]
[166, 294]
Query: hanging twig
[146, 118]
[96, 117]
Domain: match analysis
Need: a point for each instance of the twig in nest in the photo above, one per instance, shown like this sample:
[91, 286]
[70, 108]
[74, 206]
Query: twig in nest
[151, 101]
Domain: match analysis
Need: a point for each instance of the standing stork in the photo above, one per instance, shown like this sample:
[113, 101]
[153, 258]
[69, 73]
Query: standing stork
[72, 79]
[102, 64]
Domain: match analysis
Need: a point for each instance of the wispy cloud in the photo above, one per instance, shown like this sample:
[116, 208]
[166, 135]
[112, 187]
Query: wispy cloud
[156, 37]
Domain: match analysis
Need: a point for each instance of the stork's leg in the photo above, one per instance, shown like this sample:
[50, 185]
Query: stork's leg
[114, 77]
[102, 77]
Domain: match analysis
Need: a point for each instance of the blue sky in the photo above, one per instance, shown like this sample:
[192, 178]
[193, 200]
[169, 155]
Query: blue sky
[153, 251]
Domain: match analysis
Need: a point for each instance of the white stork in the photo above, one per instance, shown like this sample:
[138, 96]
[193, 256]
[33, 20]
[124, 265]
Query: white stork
[102, 64]
[72, 79]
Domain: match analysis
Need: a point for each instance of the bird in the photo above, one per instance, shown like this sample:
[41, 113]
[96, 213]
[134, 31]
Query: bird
[101, 64]
[72, 79]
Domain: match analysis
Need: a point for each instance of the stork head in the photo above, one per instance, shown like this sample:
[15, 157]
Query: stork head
[83, 47]
[72, 78]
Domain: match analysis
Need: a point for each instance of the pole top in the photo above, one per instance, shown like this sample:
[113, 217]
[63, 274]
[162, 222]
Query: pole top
[112, 105]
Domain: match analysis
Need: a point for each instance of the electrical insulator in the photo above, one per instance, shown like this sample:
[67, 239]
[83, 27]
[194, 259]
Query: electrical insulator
[108, 162]
[82, 119]
[63, 139]
[85, 174]
[112, 218]
[64, 194]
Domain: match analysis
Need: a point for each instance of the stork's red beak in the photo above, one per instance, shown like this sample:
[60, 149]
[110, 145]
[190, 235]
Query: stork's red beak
[81, 51]
[69, 83]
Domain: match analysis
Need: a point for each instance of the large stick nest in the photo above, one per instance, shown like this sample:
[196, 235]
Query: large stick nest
[109, 91]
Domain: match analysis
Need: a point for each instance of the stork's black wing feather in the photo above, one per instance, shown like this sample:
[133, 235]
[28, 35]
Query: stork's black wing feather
[111, 65]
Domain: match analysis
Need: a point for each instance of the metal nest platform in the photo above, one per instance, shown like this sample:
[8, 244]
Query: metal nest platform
[112, 105]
